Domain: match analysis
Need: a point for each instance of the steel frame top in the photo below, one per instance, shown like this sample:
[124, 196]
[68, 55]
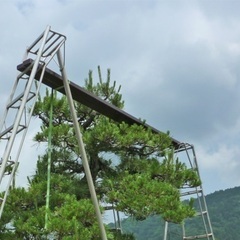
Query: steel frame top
[79, 94]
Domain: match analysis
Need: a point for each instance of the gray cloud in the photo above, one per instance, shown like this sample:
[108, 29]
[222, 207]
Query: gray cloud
[177, 62]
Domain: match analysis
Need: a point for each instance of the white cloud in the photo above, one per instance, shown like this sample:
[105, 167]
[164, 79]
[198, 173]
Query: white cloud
[222, 164]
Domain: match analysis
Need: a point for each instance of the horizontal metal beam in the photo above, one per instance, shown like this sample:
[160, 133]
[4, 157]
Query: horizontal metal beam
[81, 95]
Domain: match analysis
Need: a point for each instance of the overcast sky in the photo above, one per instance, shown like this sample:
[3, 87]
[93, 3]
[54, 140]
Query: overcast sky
[177, 61]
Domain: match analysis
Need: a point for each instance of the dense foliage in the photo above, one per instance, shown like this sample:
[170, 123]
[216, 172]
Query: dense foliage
[132, 168]
[224, 211]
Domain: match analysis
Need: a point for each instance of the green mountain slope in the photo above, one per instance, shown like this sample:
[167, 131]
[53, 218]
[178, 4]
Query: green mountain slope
[224, 210]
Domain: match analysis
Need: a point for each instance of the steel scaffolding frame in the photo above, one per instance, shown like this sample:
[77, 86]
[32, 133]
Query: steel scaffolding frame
[34, 73]
[188, 155]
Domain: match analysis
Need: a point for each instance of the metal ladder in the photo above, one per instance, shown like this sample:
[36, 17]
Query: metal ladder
[202, 216]
[20, 105]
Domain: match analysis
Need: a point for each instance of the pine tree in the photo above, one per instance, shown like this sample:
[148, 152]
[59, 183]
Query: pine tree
[133, 169]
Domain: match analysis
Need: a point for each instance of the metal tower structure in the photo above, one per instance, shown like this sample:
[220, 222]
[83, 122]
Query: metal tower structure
[186, 153]
[34, 72]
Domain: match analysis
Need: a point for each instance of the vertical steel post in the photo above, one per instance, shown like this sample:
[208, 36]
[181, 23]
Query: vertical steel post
[81, 146]
[165, 230]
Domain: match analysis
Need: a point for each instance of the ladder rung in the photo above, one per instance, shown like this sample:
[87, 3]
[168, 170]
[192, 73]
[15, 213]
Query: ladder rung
[191, 192]
[201, 213]
[9, 129]
[19, 97]
[108, 207]
[198, 236]
[15, 100]
[9, 167]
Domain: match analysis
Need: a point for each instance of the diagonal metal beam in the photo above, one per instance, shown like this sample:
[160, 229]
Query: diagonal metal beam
[81, 95]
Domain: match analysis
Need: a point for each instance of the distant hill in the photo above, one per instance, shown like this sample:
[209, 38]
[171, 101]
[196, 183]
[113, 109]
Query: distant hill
[224, 211]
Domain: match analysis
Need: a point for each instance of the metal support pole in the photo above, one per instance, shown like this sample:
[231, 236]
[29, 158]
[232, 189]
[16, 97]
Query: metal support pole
[165, 230]
[81, 146]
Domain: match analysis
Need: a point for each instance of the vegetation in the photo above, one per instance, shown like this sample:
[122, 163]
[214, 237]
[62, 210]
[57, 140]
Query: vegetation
[132, 169]
[224, 211]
